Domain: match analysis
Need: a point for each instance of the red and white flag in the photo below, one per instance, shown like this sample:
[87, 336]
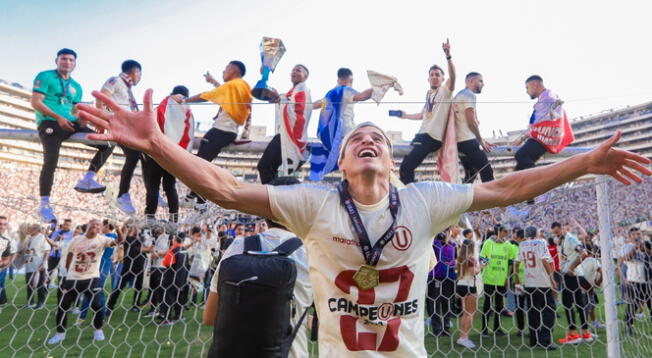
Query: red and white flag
[292, 116]
[447, 158]
[176, 122]
[553, 134]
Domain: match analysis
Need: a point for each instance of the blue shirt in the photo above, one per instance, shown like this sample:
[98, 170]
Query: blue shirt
[106, 264]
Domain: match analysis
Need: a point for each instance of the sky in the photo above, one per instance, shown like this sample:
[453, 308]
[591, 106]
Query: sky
[594, 54]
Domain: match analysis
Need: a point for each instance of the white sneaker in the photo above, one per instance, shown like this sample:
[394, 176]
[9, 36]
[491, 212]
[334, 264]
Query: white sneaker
[89, 185]
[124, 204]
[98, 335]
[465, 342]
[598, 325]
[76, 311]
[640, 316]
[57, 338]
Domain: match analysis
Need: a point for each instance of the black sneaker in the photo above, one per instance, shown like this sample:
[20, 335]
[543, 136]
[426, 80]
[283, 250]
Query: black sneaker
[551, 347]
[499, 332]
[135, 309]
[484, 333]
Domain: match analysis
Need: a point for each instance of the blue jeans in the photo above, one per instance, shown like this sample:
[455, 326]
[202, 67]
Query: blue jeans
[116, 271]
[3, 294]
[87, 301]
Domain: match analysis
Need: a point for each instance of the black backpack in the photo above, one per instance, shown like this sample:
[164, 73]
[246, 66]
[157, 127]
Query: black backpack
[253, 312]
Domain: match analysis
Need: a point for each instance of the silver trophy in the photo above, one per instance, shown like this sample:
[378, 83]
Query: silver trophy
[271, 51]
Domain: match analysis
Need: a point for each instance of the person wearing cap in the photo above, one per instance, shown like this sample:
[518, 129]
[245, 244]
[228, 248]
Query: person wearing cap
[54, 94]
[176, 121]
[539, 284]
[370, 303]
[497, 254]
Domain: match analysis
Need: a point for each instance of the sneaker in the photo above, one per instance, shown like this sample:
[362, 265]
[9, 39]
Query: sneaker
[598, 325]
[79, 322]
[135, 309]
[150, 313]
[89, 185]
[46, 213]
[98, 335]
[166, 323]
[499, 332]
[161, 202]
[427, 322]
[76, 311]
[39, 307]
[640, 316]
[465, 342]
[187, 202]
[551, 347]
[57, 338]
[588, 337]
[484, 334]
[124, 204]
[573, 338]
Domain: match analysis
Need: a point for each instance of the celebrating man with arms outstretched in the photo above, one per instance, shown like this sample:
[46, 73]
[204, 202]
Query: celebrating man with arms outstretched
[366, 238]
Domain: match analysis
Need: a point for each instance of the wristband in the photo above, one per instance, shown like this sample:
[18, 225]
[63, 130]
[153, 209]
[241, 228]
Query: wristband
[448, 58]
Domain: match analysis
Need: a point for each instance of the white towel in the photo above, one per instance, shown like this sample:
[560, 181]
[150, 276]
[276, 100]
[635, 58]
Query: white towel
[381, 84]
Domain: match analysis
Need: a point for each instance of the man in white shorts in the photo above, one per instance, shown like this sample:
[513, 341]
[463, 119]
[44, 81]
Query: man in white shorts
[369, 299]
[83, 277]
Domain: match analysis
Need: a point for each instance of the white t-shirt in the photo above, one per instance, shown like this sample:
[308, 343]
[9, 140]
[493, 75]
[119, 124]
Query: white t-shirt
[463, 100]
[161, 247]
[635, 265]
[269, 240]
[347, 110]
[7, 246]
[36, 248]
[569, 253]
[119, 91]
[224, 122]
[531, 254]
[590, 267]
[435, 112]
[63, 248]
[86, 256]
[385, 321]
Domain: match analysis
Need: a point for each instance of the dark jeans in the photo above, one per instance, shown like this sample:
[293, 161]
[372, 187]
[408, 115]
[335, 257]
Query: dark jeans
[153, 175]
[131, 160]
[53, 263]
[573, 295]
[130, 274]
[210, 147]
[496, 295]
[476, 159]
[41, 290]
[270, 160]
[156, 286]
[521, 305]
[529, 153]
[422, 145]
[71, 289]
[52, 136]
[636, 294]
[540, 315]
[439, 304]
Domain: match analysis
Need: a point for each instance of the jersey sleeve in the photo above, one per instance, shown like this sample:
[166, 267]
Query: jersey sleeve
[484, 252]
[41, 82]
[544, 253]
[458, 198]
[107, 241]
[513, 252]
[463, 100]
[295, 206]
[109, 85]
[519, 253]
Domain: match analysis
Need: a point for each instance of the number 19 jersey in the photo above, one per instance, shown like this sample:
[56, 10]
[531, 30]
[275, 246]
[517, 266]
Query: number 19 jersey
[86, 256]
[531, 254]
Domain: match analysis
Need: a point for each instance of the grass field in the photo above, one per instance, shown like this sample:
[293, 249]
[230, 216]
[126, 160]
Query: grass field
[24, 332]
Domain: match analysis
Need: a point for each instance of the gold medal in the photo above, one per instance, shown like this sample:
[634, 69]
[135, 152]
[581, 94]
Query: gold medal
[366, 277]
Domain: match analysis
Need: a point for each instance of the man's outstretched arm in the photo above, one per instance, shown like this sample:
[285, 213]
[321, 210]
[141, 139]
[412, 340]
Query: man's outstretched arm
[527, 184]
[138, 130]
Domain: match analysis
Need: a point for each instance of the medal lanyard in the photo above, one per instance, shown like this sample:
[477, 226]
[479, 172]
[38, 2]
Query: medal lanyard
[371, 254]
[132, 101]
[64, 89]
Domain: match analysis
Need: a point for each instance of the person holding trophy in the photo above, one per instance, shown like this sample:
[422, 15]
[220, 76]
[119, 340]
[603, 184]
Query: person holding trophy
[234, 98]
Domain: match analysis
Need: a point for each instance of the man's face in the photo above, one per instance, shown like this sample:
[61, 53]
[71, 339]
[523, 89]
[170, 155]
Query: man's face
[222, 227]
[533, 89]
[3, 226]
[503, 233]
[298, 75]
[348, 81]
[239, 230]
[94, 227]
[469, 235]
[556, 230]
[66, 63]
[476, 84]
[66, 225]
[230, 72]
[435, 78]
[634, 235]
[262, 226]
[366, 151]
[455, 230]
[135, 75]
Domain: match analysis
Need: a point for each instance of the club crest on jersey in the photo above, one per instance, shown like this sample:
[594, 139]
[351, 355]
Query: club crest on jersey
[402, 239]
[73, 91]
